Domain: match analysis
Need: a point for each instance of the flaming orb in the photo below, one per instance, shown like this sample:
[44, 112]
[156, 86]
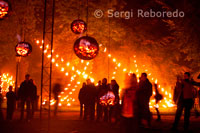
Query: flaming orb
[78, 26]
[4, 9]
[108, 99]
[86, 48]
[23, 49]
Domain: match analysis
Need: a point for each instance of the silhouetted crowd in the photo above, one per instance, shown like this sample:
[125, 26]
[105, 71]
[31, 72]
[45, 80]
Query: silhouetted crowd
[102, 102]
[26, 97]
[134, 107]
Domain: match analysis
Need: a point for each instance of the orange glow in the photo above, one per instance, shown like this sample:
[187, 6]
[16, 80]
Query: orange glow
[68, 64]
[37, 41]
[6, 81]
[105, 50]
[53, 60]
[62, 69]
[49, 56]
[79, 74]
[119, 64]
[66, 73]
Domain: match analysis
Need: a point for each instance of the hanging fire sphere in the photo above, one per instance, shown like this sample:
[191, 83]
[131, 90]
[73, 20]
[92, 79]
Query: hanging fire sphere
[78, 26]
[4, 9]
[86, 48]
[23, 49]
[108, 99]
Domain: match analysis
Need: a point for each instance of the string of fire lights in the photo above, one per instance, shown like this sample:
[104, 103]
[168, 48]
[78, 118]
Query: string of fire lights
[63, 68]
[167, 96]
[67, 97]
[86, 48]
[84, 51]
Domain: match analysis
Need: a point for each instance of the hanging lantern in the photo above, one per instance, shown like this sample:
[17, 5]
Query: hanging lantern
[78, 26]
[4, 9]
[86, 48]
[23, 49]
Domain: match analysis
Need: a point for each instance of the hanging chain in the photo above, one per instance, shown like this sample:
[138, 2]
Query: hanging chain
[24, 22]
[79, 8]
[87, 17]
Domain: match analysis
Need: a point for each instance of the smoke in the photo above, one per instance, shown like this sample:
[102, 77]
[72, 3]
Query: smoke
[18, 38]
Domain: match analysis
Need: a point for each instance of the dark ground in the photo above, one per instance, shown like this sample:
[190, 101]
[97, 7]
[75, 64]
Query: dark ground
[69, 122]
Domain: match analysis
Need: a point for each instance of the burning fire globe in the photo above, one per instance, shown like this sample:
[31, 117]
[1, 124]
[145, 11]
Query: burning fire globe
[86, 48]
[78, 26]
[4, 9]
[108, 99]
[23, 49]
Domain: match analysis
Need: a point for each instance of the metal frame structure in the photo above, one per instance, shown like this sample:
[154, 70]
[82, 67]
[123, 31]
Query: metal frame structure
[46, 72]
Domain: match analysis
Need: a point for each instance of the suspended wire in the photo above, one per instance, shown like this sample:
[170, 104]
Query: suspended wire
[87, 16]
[108, 47]
[79, 8]
[24, 22]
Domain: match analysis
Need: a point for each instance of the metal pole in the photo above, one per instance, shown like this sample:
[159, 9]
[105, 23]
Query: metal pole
[42, 71]
[53, 12]
[17, 63]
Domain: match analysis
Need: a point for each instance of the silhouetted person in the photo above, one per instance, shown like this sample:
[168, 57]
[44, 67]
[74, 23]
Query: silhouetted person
[81, 97]
[1, 101]
[185, 101]
[56, 92]
[103, 110]
[129, 122]
[25, 93]
[33, 97]
[11, 101]
[157, 97]
[177, 90]
[99, 107]
[114, 110]
[143, 97]
[90, 100]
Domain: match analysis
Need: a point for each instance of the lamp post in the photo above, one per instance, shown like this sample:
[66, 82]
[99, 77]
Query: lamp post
[18, 59]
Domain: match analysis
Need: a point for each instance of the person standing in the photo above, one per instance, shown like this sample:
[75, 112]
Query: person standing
[56, 92]
[129, 110]
[11, 101]
[1, 101]
[81, 97]
[103, 109]
[90, 97]
[143, 97]
[33, 97]
[114, 110]
[184, 101]
[99, 106]
[177, 90]
[25, 93]
[157, 97]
